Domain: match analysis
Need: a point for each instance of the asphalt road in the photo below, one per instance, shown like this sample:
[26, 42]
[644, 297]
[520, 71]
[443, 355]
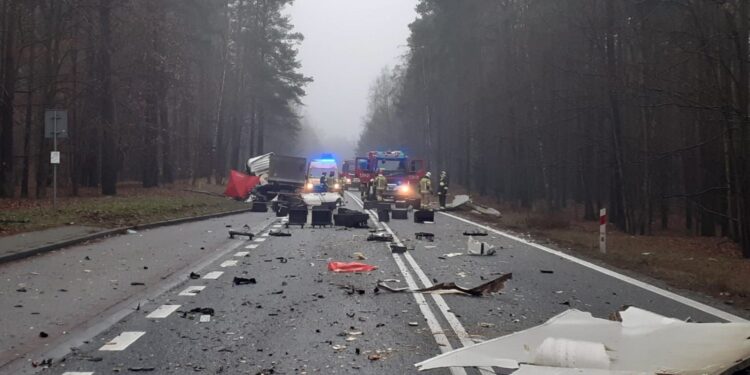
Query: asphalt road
[300, 318]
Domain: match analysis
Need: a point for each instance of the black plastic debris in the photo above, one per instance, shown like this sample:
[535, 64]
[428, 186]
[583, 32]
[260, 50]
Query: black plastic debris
[426, 236]
[546, 271]
[282, 259]
[137, 283]
[202, 311]
[43, 334]
[475, 233]
[244, 281]
[141, 369]
[380, 237]
[233, 233]
[397, 249]
[194, 275]
[279, 233]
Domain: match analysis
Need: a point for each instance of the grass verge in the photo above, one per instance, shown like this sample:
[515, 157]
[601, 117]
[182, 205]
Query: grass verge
[132, 206]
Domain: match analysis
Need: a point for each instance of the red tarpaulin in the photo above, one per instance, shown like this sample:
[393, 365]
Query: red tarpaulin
[350, 267]
[240, 184]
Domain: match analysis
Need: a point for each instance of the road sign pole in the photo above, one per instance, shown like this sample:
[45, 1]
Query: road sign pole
[54, 166]
[603, 230]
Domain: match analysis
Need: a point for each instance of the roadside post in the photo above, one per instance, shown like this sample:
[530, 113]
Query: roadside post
[603, 230]
[55, 126]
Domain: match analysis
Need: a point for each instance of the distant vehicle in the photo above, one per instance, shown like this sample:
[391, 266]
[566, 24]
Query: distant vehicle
[402, 173]
[347, 175]
[315, 170]
[278, 173]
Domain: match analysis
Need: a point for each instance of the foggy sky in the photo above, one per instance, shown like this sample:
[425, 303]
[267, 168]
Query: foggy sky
[347, 43]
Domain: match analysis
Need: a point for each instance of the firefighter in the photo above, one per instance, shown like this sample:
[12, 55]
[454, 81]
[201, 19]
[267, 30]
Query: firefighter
[332, 180]
[425, 189]
[443, 189]
[381, 183]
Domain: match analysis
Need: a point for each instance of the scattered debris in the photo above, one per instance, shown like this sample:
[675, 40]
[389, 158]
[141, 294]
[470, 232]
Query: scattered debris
[205, 318]
[486, 325]
[644, 343]
[458, 201]
[233, 233]
[43, 334]
[350, 267]
[426, 236]
[359, 256]
[137, 283]
[380, 237]
[475, 233]
[130, 231]
[488, 288]
[194, 275]
[413, 324]
[279, 233]
[141, 369]
[397, 248]
[546, 271]
[338, 347]
[451, 255]
[244, 281]
[475, 247]
[374, 357]
[202, 310]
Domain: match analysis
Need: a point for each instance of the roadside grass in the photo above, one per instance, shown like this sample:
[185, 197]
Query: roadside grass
[133, 205]
[709, 265]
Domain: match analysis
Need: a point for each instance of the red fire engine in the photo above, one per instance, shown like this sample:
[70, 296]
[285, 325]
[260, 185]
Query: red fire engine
[402, 173]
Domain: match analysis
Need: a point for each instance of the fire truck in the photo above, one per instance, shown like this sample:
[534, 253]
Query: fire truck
[402, 173]
[347, 174]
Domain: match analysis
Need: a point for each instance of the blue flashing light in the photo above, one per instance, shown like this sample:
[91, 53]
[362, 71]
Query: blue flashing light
[326, 160]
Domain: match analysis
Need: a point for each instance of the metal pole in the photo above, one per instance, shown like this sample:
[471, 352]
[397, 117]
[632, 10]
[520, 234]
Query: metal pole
[603, 230]
[54, 166]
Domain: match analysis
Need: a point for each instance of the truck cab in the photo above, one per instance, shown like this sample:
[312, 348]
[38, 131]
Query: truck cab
[402, 173]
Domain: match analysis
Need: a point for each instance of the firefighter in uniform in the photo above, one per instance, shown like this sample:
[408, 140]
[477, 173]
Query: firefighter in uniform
[425, 189]
[381, 183]
[331, 180]
[443, 189]
[324, 182]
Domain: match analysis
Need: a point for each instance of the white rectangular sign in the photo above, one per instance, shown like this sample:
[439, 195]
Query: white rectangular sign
[54, 157]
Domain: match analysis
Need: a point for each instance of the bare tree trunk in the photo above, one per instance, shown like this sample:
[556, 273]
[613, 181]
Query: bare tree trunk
[109, 145]
[7, 96]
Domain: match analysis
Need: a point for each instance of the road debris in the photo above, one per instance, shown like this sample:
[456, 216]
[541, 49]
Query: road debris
[233, 233]
[141, 369]
[137, 283]
[244, 281]
[380, 237]
[546, 271]
[397, 248]
[350, 267]
[576, 342]
[279, 233]
[359, 256]
[43, 334]
[426, 236]
[475, 233]
[413, 324]
[491, 287]
[194, 275]
[475, 247]
[451, 255]
[130, 231]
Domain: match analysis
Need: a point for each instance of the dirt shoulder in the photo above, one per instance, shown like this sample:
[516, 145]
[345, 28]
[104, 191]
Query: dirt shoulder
[132, 206]
[708, 265]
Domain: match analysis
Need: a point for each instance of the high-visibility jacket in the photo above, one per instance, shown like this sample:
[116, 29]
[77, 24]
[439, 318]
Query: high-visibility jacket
[443, 185]
[381, 183]
[425, 185]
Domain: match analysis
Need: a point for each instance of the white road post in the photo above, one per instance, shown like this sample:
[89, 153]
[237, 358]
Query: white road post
[54, 165]
[603, 230]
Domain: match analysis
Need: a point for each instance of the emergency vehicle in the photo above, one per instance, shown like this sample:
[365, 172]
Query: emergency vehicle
[402, 173]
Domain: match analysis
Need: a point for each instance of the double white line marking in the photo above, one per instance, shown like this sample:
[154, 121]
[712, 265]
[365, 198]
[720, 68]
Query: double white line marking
[432, 322]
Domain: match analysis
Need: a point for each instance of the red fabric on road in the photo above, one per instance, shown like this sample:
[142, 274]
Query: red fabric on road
[350, 267]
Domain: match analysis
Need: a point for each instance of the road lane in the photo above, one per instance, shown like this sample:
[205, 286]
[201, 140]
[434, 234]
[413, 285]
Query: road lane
[66, 290]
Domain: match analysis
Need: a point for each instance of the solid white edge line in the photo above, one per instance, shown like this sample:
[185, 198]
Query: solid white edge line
[163, 311]
[664, 293]
[77, 373]
[122, 341]
[437, 331]
[213, 275]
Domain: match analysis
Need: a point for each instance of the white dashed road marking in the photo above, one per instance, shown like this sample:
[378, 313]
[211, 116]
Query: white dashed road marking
[122, 341]
[77, 373]
[253, 246]
[264, 234]
[163, 311]
[192, 290]
[241, 253]
[213, 275]
[260, 239]
[228, 263]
